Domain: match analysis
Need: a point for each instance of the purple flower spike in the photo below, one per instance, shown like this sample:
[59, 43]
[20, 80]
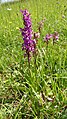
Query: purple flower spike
[29, 45]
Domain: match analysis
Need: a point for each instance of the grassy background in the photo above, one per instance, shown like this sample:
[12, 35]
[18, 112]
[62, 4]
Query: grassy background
[36, 93]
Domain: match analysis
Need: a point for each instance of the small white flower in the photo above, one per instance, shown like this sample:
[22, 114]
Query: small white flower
[9, 9]
[55, 106]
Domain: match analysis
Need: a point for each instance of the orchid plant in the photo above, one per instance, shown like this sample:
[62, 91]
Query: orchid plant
[30, 37]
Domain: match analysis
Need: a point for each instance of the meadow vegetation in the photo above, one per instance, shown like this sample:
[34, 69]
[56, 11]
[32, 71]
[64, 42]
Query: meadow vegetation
[36, 91]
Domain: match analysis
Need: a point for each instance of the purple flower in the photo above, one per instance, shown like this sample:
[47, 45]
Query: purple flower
[56, 36]
[29, 44]
[48, 37]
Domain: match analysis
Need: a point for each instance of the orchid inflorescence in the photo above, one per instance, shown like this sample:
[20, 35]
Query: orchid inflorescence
[29, 44]
[30, 37]
[54, 36]
[41, 24]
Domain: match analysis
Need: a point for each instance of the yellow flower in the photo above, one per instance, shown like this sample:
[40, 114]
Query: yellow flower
[10, 22]
[17, 28]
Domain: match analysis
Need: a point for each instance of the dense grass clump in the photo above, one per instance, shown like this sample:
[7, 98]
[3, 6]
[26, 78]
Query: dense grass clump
[37, 90]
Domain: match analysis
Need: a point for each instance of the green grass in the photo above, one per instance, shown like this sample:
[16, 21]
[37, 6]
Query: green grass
[33, 93]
